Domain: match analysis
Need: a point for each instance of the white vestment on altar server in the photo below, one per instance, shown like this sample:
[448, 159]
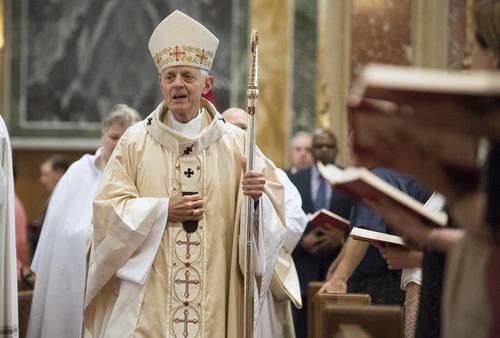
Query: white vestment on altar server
[8, 276]
[61, 256]
[148, 277]
[276, 314]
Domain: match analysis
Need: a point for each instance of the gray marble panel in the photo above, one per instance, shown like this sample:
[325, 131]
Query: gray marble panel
[304, 60]
[83, 56]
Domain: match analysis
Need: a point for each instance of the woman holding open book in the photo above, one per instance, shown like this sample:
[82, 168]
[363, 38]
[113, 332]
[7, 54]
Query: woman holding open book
[471, 297]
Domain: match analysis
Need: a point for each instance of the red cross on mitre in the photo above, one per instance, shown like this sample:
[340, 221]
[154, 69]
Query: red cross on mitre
[177, 53]
[201, 56]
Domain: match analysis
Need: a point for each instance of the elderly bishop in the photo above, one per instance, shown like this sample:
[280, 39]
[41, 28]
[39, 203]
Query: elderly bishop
[167, 243]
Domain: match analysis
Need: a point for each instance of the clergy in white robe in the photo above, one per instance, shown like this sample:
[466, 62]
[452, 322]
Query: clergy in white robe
[60, 261]
[8, 282]
[60, 258]
[276, 313]
[168, 237]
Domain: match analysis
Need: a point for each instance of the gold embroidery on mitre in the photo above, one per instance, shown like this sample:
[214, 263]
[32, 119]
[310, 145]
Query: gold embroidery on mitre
[185, 54]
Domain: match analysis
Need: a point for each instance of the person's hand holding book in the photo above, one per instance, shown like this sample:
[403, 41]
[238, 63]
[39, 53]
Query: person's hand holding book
[320, 241]
[406, 224]
[398, 257]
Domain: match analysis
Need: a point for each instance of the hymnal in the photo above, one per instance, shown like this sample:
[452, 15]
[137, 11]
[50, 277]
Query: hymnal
[324, 218]
[457, 152]
[362, 185]
[431, 96]
[370, 236]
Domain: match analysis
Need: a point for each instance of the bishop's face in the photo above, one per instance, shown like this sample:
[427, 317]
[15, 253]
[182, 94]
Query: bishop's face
[182, 87]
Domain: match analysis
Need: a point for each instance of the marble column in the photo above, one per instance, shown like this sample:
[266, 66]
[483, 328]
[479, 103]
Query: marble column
[430, 33]
[333, 71]
[274, 21]
[305, 34]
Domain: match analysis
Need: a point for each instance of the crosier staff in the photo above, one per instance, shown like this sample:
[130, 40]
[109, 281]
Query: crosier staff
[248, 204]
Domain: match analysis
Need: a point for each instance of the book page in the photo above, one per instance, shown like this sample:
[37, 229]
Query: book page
[375, 236]
[362, 185]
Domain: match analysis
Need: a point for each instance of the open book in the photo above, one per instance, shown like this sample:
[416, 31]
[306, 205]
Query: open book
[435, 203]
[362, 185]
[366, 235]
[448, 101]
[324, 218]
[458, 152]
[402, 84]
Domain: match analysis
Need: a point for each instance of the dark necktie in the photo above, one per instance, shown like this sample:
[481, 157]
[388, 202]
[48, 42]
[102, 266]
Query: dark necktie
[320, 201]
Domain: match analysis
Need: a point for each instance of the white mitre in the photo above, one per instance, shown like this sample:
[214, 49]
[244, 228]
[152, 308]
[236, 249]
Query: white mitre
[179, 40]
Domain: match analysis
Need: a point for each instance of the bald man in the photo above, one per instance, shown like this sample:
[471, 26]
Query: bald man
[236, 116]
[301, 152]
[276, 310]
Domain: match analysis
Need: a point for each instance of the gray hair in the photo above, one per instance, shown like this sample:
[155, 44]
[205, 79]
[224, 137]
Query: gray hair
[122, 115]
[204, 73]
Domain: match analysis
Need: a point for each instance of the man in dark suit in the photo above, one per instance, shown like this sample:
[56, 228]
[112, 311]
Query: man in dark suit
[318, 247]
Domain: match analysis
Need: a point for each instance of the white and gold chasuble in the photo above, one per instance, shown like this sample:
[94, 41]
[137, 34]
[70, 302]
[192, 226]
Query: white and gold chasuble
[148, 277]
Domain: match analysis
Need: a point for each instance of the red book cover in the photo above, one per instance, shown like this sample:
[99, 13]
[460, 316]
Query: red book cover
[324, 218]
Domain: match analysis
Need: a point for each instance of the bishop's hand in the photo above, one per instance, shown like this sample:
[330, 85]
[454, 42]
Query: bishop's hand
[253, 181]
[185, 208]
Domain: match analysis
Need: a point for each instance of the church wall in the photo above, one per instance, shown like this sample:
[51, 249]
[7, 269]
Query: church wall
[401, 32]
[355, 32]
[68, 62]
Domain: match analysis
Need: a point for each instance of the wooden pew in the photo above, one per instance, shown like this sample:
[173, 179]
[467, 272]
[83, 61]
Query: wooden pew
[312, 289]
[321, 300]
[379, 321]
[352, 331]
[24, 306]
